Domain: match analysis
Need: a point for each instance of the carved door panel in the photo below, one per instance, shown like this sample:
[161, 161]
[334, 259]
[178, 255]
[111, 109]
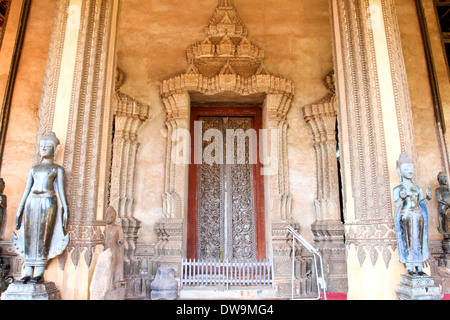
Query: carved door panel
[226, 194]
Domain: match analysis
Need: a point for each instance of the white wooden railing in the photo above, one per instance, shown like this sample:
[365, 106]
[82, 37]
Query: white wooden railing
[214, 273]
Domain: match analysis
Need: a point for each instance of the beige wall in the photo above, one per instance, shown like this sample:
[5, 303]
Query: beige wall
[153, 38]
[295, 35]
[20, 136]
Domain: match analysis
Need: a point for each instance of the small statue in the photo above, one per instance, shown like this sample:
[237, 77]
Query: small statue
[107, 279]
[114, 239]
[2, 206]
[443, 199]
[42, 224]
[411, 218]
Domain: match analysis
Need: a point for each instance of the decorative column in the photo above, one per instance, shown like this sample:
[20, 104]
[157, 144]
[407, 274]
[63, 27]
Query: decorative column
[328, 228]
[279, 201]
[76, 104]
[170, 245]
[375, 126]
[129, 115]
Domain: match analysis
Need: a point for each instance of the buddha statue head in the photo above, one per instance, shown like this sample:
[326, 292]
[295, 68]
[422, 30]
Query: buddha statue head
[442, 179]
[405, 167]
[49, 146]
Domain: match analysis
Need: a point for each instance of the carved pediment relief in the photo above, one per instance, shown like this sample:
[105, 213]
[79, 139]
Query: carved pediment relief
[226, 42]
[127, 106]
[225, 20]
[226, 60]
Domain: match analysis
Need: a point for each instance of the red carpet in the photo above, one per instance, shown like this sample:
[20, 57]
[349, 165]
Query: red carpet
[343, 296]
[336, 296]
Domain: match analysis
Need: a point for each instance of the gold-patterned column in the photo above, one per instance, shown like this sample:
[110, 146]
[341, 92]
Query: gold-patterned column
[375, 126]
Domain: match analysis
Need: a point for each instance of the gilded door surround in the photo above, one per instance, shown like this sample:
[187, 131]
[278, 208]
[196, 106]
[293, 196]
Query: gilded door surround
[234, 189]
[226, 62]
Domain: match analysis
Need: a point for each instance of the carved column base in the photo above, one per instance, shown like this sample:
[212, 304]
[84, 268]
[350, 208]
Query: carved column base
[328, 231]
[440, 263]
[282, 249]
[329, 240]
[169, 248]
[39, 291]
[445, 260]
[417, 287]
[130, 229]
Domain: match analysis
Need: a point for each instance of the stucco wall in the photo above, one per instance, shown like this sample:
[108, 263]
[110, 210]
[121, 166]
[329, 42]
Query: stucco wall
[21, 132]
[153, 38]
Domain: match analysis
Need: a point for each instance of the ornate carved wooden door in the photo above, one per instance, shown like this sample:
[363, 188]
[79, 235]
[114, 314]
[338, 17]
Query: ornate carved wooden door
[226, 198]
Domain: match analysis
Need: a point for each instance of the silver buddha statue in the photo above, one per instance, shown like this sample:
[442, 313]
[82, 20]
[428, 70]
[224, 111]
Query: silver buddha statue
[2, 207]
[43, 214]
[411, 218]
[443, 199]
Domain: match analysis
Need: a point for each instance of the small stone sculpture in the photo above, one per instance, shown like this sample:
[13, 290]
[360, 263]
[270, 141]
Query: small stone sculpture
[114, 239]
[108, 275]
[411, 218]
[164, 287]
[42, 224]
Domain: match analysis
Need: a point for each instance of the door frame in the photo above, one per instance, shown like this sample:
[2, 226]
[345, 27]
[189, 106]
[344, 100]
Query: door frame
[258, 180]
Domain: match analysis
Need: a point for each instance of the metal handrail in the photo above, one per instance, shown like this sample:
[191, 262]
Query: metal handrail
[320, 280]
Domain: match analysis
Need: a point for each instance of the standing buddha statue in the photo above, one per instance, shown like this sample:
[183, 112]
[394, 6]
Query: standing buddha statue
[41, 222]
[411, 218]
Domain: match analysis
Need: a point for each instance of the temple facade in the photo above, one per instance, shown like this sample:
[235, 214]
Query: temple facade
[223, 131]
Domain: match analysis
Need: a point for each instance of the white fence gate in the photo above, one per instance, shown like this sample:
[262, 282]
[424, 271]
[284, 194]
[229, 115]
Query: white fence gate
[213, 273]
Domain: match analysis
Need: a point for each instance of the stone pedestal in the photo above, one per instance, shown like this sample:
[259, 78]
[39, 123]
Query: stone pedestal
[417, 287]
[39, 291]
[164, 287]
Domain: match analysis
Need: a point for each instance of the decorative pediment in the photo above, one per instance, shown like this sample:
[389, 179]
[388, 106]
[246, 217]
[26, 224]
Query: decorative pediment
[227, 70]
[226, 48]
[325, 108]
[225, 20]
[226, 60]
[127, 106]
[192, 70]
[226, 42]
